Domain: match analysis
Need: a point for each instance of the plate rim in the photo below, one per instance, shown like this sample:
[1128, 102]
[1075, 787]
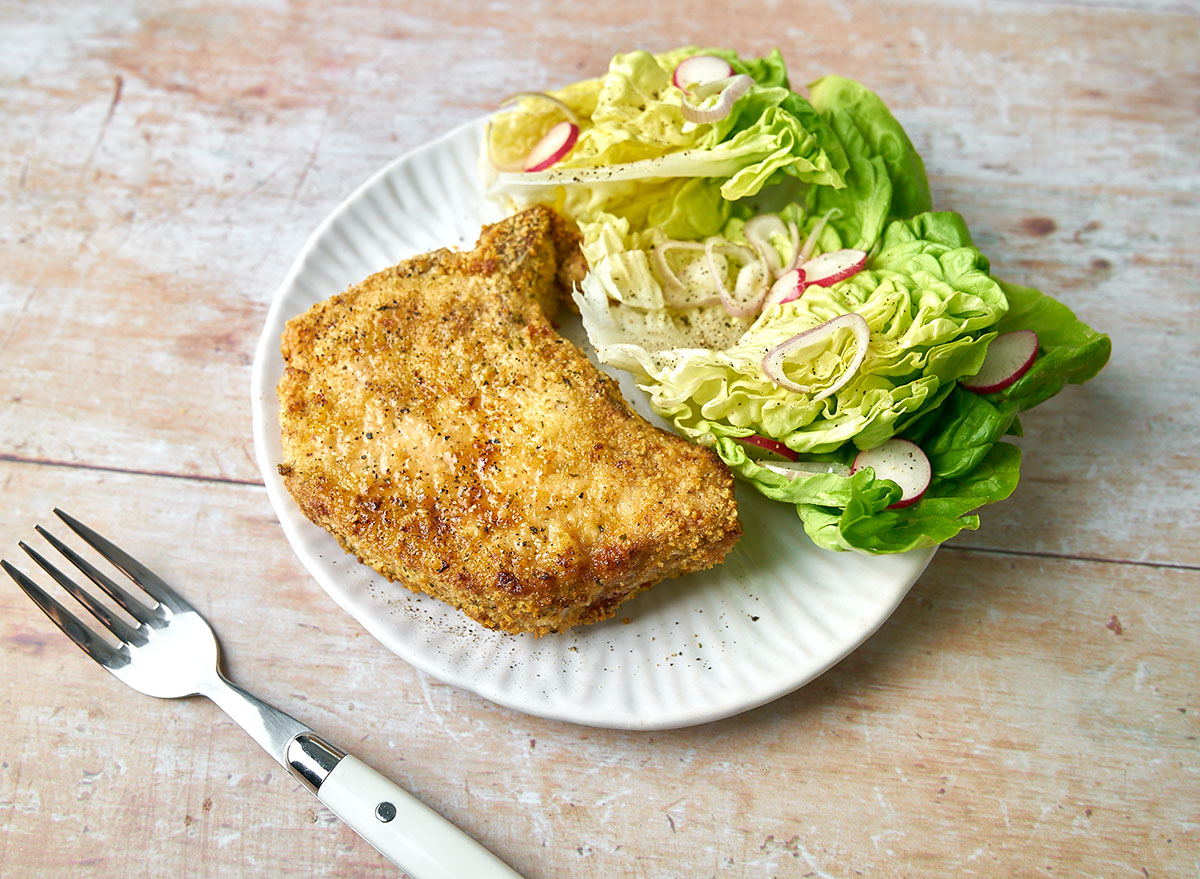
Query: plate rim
[291, 521]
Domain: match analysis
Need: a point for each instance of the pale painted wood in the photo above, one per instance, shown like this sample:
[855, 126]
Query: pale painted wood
[163, 166]
[1031, 708]
[1016, 713]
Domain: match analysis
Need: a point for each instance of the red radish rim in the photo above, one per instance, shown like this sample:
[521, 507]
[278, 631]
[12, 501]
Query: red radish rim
[877, 457]
[771, 445]
[1000, 353]
[565, 134]
[827, 269]
[792, 287]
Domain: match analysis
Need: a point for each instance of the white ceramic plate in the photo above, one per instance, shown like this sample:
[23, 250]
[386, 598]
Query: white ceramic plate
[776, 614]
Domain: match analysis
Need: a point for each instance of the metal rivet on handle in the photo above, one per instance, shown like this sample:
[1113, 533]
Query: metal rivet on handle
[385, 812]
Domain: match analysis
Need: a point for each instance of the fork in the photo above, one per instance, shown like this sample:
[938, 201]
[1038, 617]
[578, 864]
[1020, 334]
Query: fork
[171, 652]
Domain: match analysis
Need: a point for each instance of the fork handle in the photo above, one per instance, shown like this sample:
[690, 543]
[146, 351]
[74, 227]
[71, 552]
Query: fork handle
[406, 831]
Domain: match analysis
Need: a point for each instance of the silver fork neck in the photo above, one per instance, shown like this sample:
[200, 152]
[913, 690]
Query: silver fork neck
[265, 723]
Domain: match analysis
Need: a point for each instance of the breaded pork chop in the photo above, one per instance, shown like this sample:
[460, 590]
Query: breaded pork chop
[436, 424]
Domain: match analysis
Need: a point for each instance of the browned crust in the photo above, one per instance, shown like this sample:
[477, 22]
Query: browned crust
[436, 424]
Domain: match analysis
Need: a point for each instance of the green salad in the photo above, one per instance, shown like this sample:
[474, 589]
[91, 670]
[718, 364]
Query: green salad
[771, 270]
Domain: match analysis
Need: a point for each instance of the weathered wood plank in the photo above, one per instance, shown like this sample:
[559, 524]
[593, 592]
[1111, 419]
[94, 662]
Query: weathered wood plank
[164, 168]
[1016, 714]
[1030, 709]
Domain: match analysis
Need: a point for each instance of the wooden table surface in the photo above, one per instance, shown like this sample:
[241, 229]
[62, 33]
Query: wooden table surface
[1030, 710]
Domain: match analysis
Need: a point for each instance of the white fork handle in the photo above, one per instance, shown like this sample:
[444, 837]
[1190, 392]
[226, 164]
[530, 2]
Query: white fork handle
[406, 831]
[409, 834]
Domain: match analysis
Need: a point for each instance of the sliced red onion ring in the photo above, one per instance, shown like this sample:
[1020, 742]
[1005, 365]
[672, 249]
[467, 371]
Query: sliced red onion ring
[815, 468]
[672, 286]
[749, 300]
[753, 281]
[758, 232]
[772, 363]
[567, 111]
[712, 87]
[670, 281]
[508, 167]
[735, 88]
[810, 243]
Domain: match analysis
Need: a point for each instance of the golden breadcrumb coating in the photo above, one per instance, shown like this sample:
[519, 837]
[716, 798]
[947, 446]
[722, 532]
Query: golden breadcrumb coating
[436, 424]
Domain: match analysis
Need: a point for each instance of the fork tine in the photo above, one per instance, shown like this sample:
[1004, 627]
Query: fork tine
[85, 639]
[130, 603]
[114, 624]
[133, 606]
[152, 584]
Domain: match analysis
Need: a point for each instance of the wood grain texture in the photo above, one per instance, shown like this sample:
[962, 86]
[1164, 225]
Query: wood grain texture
[1031, 709]
[1015, 713]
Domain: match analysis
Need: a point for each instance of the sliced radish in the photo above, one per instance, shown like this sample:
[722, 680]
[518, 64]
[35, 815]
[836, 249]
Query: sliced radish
[771, 445]
[903, 463]
[699, 70]
[787, 288]
[810, 243]
[836, 265]
[772, 362]
[556, 143]
[1008, 358]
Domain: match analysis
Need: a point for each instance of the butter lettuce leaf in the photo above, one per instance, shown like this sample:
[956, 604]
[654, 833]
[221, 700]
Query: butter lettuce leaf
[933, 308]
[961, 432]
[646, 187]
[929, 308]
[632, 130]
[884, 175]
[851, 512]
[864, 124]
[1069, 351]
